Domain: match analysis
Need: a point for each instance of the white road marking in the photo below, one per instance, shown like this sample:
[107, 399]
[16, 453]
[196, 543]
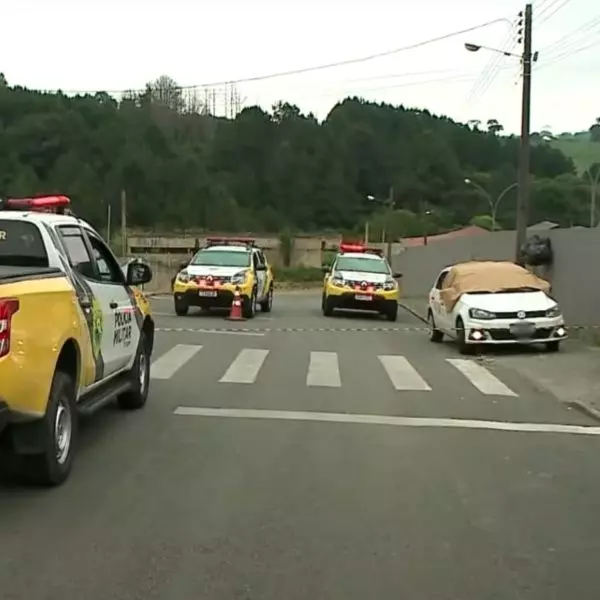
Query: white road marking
[283, 415]
[245, 368]
[169, 363]
[403, 375]
[323, 370]
[481, 378]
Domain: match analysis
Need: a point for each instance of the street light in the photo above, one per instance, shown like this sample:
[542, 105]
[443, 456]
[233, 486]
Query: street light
[478, 47]
[493, 203]
[389, 204]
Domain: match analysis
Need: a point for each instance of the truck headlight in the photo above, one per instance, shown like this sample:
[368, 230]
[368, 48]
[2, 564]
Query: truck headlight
[390, 284]
[478, 313]
[239, 278]
[553, 312]
[183, 276]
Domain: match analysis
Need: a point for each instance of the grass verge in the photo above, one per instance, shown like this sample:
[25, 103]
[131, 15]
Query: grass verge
[298, 277]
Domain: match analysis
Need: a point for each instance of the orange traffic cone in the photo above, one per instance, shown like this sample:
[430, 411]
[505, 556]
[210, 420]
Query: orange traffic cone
[236, 307]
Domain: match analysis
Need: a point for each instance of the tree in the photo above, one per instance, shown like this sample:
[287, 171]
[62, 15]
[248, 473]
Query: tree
[268, 170]
[494, 126]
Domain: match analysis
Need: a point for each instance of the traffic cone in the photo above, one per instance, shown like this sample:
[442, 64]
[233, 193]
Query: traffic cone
[236, 307]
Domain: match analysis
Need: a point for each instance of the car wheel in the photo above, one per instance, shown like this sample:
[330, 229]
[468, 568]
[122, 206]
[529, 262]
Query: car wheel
[553, 346]
[181, 307]
[267, 304]
[463, 347]
[328, 307]
[435, 335]
[249, 306]
[56, 434]
[391, 314]
[135, 398]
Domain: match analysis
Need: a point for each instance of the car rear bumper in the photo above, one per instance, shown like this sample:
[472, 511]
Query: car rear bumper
[216, 299]
[350, 301]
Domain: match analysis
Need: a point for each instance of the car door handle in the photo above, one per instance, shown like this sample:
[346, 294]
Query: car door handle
[114, 305]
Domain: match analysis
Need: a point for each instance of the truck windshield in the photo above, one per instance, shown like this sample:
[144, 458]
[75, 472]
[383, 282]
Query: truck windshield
[221, 258]
[21, 245]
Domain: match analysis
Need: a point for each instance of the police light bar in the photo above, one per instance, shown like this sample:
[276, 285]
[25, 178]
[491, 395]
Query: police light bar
[349, 247]
[216, 241]
[40, 204]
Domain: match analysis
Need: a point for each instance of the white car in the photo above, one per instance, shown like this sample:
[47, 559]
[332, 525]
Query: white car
[493, 303]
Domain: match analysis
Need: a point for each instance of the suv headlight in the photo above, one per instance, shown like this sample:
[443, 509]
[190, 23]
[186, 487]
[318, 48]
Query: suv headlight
[390, 284]
[553, 312]
[239, 278]
[337, 280]
[478, 313]
[183, 276]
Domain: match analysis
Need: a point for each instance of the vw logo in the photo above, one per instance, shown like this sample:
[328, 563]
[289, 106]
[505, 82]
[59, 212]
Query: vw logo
[521, 314]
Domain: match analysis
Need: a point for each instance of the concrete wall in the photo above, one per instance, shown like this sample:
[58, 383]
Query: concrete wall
[306, 250]
[574, 277]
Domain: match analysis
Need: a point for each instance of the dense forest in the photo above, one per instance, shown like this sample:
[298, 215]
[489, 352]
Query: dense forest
[271, 171]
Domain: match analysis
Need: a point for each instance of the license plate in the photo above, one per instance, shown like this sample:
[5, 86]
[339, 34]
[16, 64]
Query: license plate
[207, 294]
[363, 297]
[522, 330]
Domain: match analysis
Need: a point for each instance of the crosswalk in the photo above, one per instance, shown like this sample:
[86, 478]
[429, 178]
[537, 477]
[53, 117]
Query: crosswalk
[323, 370]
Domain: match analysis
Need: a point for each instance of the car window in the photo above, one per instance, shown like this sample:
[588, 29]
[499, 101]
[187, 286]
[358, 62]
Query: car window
[221, 258]
[440, 280]
[21, 245]
[77, 251]
[364, 265]
[108, 268]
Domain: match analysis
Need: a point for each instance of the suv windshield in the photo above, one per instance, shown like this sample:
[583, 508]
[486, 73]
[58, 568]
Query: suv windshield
[221, 258]
[21, 245]
[364, 265]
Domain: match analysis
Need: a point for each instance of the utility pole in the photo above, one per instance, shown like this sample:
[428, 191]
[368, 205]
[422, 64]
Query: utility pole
[123, 224]
[389, 218]
[524, 151]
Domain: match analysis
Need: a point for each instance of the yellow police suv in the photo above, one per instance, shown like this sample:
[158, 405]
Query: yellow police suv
[75, 334]
[216, 271]
[360, 278]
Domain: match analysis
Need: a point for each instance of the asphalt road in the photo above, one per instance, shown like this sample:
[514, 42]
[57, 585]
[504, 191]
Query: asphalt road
[302, 458]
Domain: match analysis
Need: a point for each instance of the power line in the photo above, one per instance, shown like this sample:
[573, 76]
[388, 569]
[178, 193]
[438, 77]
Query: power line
[321, 67]
[550, 10]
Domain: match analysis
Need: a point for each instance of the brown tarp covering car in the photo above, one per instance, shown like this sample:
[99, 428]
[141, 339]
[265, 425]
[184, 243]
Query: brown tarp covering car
[487, 276]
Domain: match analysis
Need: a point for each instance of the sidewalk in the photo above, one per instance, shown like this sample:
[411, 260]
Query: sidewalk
[416, 306]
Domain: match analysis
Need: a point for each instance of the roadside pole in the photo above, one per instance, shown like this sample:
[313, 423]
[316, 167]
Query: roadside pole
[524, 150]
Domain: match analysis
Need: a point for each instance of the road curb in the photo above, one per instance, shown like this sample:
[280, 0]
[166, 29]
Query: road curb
[412, 311]
[585, 409]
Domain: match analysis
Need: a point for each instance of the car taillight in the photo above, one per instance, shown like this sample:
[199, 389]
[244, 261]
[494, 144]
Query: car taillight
[8, 307]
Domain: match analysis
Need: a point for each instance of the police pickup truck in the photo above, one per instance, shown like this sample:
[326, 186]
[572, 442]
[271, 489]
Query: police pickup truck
[75, 333]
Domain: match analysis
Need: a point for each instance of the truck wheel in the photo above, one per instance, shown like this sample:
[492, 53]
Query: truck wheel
[391, 314]
[181, 307]
[267, 304]
[135, 398]
[249, 306]
[56, 434]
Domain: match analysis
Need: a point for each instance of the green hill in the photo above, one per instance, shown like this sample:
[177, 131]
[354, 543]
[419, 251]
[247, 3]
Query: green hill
[579, 147]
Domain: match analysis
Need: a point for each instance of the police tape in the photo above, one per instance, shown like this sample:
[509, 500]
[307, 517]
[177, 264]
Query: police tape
[389, 329]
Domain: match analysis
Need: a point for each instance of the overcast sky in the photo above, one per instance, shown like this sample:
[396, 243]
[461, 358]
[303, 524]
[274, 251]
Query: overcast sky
[122, 44]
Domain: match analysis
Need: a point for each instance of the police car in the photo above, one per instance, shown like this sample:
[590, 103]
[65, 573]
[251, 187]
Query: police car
[361, 278]
[216, 271]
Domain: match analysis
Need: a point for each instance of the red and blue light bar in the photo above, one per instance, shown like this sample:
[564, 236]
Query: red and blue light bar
[39, 204]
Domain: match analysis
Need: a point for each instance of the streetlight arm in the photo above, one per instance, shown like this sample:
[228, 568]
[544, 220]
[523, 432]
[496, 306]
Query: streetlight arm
[504, 192]
[480, 189]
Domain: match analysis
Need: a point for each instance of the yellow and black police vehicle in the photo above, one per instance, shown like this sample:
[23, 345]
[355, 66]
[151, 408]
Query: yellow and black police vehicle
[75, 333]
[217, 270]
[360, 278]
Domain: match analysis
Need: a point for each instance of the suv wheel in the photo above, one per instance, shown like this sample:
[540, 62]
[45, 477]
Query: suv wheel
[135, 398]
